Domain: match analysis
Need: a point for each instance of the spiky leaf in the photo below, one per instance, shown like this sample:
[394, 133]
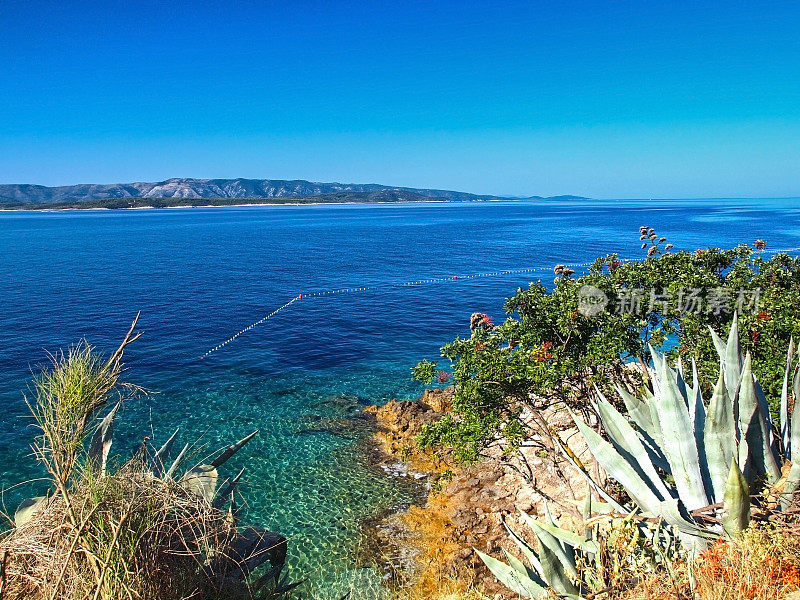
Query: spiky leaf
[680, 445]
[719, 439]
[626, 441]
[231, 450]
[101, 442]
[27, 509]
[737, 502]
[619, 468]
[518, 582]
[201, 480]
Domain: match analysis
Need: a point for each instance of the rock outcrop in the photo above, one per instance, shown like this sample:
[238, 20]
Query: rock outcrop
[467, 505]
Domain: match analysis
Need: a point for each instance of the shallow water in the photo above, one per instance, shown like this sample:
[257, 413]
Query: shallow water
[200, 275]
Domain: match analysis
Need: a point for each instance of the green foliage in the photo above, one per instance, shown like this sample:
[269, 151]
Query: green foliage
[424, 371]
[552, 348]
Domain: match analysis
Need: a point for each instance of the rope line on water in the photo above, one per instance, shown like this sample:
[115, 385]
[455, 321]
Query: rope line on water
[409, 284]
[370, 287]
[249, 327]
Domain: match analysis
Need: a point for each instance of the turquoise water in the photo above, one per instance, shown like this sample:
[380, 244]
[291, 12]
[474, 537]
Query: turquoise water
[200, 275]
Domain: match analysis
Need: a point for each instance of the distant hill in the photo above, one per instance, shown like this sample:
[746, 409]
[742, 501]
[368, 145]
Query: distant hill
[23, 195]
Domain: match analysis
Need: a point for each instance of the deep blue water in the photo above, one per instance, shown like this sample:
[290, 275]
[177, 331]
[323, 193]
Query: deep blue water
[199, 275]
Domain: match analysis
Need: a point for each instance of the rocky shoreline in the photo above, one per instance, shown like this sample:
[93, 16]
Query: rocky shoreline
[465, 507]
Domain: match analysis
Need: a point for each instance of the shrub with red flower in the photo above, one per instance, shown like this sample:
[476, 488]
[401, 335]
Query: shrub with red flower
[444, 376]
[760, 244]
[764, 316]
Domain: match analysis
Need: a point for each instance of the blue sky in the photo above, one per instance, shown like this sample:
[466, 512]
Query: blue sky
[605, 99]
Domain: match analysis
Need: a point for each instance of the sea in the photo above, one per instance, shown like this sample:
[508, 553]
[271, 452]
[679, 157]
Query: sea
[407, 277]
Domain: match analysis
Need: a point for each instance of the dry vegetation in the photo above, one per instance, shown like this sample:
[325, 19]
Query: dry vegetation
[140, 532]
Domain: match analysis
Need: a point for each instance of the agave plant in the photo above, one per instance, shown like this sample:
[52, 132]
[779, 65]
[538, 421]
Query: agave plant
[571, 564]
[675, 455]
[553, 566]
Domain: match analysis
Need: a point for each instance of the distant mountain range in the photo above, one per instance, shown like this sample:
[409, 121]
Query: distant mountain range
[182, 190]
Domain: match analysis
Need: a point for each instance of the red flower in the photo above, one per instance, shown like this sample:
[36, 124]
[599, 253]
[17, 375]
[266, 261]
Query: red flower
[764, 316]
[479, 346]
[760, 244]
[543, 354]
[755, 335]
[487, 320]
[614, 265]
[444, 376]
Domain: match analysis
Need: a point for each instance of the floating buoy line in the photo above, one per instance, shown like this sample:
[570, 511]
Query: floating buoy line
[351, 290]
[451, 278]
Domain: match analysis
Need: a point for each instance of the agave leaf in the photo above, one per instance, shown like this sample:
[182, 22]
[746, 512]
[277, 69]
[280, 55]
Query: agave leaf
[675, 514]
[564, 555]
[201, 480]
[586, 514]
[756, 427]
[570, 538]
[737, 502]
[680, 446]
[720, 345]
[548, 519]
[697, 409]
[733, 356]
[227, 491]
[176, 463]
[553, 565]
[794, 425]
[231, 450]
[517, 564]
[696, 388]
[601, 508]
[638, 410]
[719, 439]
[610, 501]
[785, 431]
[619, 468]
[27, 509]
[627, 443]
[101, 442]
[517, 582]
[530, 556]
[162, 453]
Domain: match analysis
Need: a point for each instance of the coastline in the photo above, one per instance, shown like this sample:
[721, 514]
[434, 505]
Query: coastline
[247, 205]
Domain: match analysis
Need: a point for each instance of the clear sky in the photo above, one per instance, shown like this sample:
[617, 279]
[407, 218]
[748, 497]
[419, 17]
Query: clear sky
[605, 99]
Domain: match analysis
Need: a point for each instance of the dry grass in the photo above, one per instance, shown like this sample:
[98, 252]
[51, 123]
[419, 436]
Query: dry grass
[764, 564]
[137, 537]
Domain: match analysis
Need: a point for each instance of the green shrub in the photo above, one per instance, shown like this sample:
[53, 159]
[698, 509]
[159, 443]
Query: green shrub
[553, 348]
